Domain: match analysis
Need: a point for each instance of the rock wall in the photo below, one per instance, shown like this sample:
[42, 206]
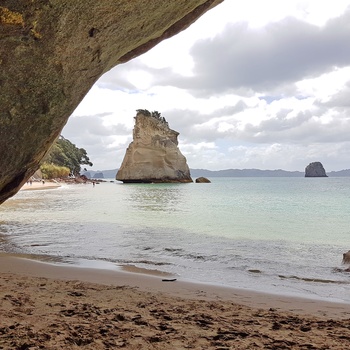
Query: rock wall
[153, 155]
[53, 51]
[315, 169]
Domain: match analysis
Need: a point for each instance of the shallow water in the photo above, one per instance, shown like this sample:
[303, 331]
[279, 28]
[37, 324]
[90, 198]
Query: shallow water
[278, 235]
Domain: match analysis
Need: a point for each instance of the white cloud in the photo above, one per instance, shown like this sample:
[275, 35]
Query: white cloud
[253, 84]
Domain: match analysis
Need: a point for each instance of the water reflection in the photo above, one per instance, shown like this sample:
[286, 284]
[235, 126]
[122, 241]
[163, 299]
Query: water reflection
[156, 197]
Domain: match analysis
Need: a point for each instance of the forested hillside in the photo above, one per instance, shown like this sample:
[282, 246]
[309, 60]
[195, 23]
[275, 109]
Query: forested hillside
[64, 159]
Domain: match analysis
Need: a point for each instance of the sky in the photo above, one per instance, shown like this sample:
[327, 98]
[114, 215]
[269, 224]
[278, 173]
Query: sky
[251, 84]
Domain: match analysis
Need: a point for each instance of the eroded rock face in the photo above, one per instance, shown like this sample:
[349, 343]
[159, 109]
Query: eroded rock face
[53, 51]
[315, 169]
[153, 155]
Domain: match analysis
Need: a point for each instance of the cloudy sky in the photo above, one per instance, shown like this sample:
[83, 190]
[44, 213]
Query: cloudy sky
[251, 84]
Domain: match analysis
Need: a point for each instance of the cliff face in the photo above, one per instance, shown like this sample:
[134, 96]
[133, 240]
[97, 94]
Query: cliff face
[315, 169]
[153, 155]
[53, 51]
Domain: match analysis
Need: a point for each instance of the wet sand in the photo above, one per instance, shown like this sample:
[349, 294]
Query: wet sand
[47, 306]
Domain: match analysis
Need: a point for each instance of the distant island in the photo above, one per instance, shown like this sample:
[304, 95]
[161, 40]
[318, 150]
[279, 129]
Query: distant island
[315, 169]
[110, 174]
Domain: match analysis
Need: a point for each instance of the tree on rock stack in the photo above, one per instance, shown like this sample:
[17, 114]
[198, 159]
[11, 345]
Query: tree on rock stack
[153, 155]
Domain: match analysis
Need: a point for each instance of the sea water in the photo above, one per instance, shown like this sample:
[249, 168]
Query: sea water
[276, 235]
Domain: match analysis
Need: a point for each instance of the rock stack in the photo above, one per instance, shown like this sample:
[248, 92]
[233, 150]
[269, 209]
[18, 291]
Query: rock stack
[315, 169]
[153, 155]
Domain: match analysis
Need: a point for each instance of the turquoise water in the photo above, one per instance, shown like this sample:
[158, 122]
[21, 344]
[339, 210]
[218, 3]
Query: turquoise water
[277, 235]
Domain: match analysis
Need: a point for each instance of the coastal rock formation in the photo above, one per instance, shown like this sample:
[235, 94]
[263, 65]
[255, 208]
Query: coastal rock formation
[315, 169]
[202, 179]
[153, 155]
[52, 52]
[87, 174]
[346, 257]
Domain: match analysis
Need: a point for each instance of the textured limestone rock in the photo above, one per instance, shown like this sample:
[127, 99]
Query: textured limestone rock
[315, 169]
[53, 51]
[202, 180]
[153, 155]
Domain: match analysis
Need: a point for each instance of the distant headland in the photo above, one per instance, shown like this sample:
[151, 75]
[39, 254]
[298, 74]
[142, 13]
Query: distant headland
[110, 174]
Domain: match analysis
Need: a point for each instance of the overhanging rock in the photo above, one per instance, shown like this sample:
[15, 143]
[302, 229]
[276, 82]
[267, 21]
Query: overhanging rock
[53, 51]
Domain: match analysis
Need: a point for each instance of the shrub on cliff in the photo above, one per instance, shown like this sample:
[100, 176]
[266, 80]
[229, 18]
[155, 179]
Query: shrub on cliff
[64, 153]
[51, 171]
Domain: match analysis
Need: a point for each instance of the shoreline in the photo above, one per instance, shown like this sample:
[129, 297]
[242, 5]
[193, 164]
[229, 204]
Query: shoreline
[39, 185]
[152, 281]
[43, 305]
[55, 303]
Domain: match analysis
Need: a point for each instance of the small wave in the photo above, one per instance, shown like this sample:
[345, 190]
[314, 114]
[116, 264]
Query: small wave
[317, 280]
[129, 261]
[337, 269]
[173, 249]
[192, 256]
[196, 257]
[136, 269]
[148, 262]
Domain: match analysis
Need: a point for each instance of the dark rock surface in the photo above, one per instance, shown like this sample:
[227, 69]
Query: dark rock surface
[315, 169]
[52, 52]
[202, 180]
[346, 257]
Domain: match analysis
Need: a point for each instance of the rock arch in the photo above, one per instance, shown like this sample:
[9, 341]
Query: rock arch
[52, 52]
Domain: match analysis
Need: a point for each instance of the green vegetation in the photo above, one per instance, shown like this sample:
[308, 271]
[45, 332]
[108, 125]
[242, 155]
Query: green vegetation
[154, 114]
[63, 159]
[145, 112]
[52, 171]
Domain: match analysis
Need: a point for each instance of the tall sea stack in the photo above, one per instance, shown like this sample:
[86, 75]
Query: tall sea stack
[153, 155]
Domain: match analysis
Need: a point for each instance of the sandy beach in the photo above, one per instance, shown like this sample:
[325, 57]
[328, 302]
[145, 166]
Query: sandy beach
[48, 306]
[39, 185]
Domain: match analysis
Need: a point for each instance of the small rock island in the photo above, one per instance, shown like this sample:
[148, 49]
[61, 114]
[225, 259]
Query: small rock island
[202, 180]
[153, 155]
[315, 169]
